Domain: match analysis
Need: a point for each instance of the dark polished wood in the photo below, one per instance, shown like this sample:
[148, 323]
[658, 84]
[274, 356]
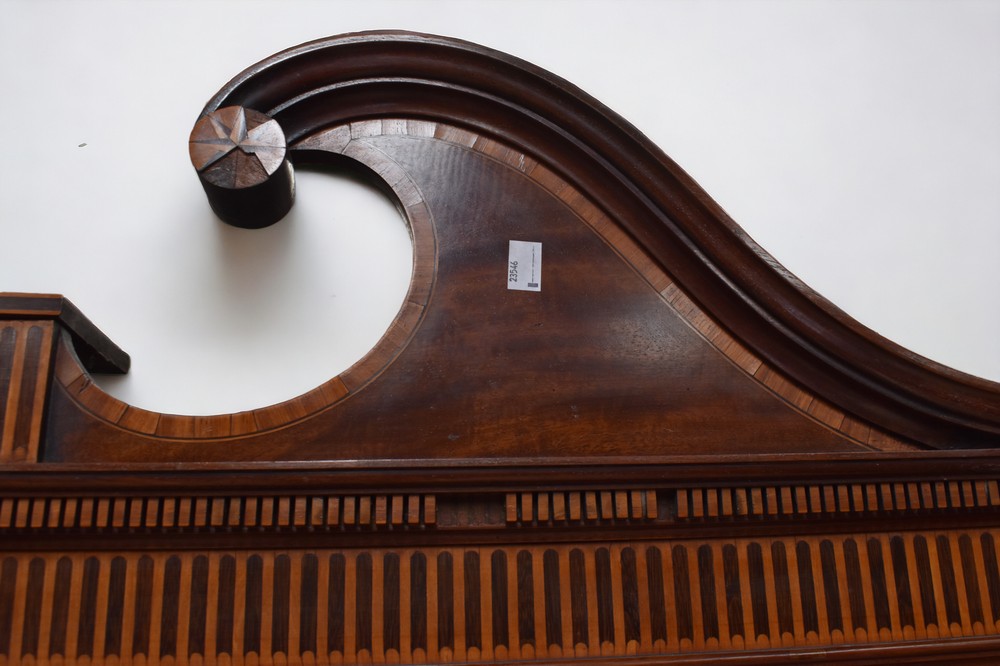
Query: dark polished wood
[674, 451]
[240, 156]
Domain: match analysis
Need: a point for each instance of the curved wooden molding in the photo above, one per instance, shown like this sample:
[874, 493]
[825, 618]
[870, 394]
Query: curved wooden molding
[674, 451]
[767, 322]
[674, 221]
[72, 374]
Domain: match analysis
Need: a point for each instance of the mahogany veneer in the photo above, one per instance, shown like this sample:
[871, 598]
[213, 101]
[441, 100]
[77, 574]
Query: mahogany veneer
[674, 451]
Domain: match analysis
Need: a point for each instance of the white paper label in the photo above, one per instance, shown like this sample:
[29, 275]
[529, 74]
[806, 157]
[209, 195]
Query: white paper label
[524, 266]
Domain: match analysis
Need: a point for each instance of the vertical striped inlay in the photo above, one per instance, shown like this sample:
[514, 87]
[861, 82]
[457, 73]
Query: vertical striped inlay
[496, 603]
[25, 358]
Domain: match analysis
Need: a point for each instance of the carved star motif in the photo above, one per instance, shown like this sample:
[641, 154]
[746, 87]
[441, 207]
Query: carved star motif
[237, 147]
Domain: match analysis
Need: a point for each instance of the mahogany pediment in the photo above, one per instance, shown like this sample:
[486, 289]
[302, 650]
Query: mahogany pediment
[665, 418]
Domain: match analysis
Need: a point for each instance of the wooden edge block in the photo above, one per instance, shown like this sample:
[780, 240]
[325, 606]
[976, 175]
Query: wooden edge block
[815, 499]
[6, 511]
[719, 337]
[968, 498]
[590, 498]
[422, 282]
[756, 501]
[333, 390]
[279, 414]
[801, 500]
[855, 429]
[300, 513]
[542, 507]
[139, 420]
[430, 510]
[175, 425]
[527, 507]
[421, 128]
[399, 332]
[242, 423]
[608, 506]
[672, 293]
[361, 129]
[97, 401]
[135, 513]
[645, 266]
[573, 198]
[954, 494]
[899, 492]
[266, 511]
[843, 499]
[490, 147]
[981, 494]
[558, 506]
[333, 516]
[365, 510]
[742, 356]
[621, 500]
[697, 503]
[455, 135]
[38, 507]
[219, 425]
[994, 492]
[829, 500]
[78, 385]
[396, 516]
[368, 367]
[413, 510]
[381, 510]
[575, 506]
[683, 508]
[548, 180]
[332, 140]
[55, 510]
[315, 511]
[102, 514]
[394, 127]
[635, 505]
[712, 502]
[201, 512]
[786, 500]
[520, 161]
[883, 441]
[652, 509]
[740, 504]
[406, 190]
[826, 413]
[235, 516]
[67, 368]
[313, 400]
[284, 511]
[772, 501]
[168, 512]
[23, 510]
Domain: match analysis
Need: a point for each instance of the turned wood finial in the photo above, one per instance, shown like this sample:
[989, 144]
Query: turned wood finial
[241, 158]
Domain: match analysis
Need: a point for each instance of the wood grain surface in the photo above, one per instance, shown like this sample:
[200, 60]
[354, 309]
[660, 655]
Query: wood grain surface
[715, 598]
[673, 452]
[639, 341]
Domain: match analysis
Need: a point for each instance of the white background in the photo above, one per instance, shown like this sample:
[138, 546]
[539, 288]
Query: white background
[857, 142]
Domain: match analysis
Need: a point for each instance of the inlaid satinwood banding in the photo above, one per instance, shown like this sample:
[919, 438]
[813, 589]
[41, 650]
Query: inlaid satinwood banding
[351, 140]
[70, 374]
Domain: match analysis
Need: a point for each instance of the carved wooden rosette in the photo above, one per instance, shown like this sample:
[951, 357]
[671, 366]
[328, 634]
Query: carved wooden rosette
[240, 157]
[672, 452]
